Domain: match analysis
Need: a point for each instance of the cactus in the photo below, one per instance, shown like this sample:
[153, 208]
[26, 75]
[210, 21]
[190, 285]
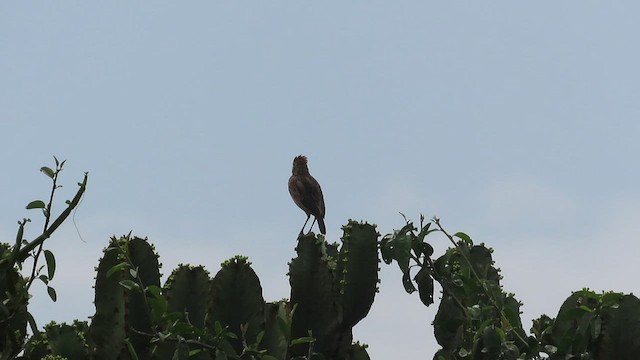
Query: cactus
[358, 352]
[236, 302]
[138, 317]
[63, 340]
[333, 290]
[186, 290]
[358, 271]
[224, 317]
[187, 293]
[107, 330]
[121, 312]
[276, 332]
[312, 291]
[589, 325]
[621, 340]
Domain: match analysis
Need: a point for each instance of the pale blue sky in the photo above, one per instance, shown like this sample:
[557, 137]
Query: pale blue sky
[514, 122]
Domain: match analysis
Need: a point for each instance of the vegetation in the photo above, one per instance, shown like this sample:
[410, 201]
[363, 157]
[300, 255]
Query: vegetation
[196, 316]
[477, 319]
[14, 286]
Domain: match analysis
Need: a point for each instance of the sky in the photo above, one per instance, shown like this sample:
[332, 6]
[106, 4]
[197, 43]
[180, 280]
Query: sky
[514, 122]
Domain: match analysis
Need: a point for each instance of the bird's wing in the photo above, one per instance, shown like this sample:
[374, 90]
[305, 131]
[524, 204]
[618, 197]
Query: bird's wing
[315, 201]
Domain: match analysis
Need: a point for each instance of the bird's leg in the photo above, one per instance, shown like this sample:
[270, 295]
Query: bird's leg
[312, 223]
[305, 224]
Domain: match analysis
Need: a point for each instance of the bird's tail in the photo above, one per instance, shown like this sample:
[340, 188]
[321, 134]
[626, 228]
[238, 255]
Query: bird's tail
[323, 229]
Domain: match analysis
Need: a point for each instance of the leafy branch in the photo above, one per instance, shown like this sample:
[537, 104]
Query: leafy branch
[473, 302]
[481, 281]
[46, 210]
[20, 252]
[14, 287]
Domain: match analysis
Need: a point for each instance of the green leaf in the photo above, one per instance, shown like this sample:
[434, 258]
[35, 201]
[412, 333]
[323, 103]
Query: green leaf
[285, 328]
[20, 233]
[116, 268]
[154, 290]
[217, 328]
[194, 352]
[51, 263]
[129, 285]
[386, 249]
[425, 229]
[157, 303]
[303, 340]
[408, 285]
[402, 250]
[464, 237]
[259, 337]
[492, 342]
[52, 293]
[425, 286]
[36, 204]
[427, 249]
[132, 351]
[33, 326]
[173, 316]
[47, 171]
[44, 279]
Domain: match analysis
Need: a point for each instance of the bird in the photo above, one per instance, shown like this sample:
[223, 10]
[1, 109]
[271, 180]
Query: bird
[306, 193]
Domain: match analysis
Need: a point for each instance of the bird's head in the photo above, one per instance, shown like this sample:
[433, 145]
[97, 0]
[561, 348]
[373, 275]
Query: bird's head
[300, 165]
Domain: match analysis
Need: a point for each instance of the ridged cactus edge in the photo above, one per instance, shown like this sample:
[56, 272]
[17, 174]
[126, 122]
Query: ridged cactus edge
[358, 271]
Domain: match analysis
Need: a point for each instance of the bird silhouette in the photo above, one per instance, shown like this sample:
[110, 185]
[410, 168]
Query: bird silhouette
[306, 193]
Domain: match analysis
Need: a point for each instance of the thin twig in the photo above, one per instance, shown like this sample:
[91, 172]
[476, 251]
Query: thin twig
[170, 339]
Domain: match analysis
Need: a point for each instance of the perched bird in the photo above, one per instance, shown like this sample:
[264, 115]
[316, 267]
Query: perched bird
[306, 193]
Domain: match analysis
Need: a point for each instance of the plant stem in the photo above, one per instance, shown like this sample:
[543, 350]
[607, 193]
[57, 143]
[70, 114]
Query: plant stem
[47, 217]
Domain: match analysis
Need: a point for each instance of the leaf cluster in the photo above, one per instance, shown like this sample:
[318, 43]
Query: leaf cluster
[14, 286]
[476, 319]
